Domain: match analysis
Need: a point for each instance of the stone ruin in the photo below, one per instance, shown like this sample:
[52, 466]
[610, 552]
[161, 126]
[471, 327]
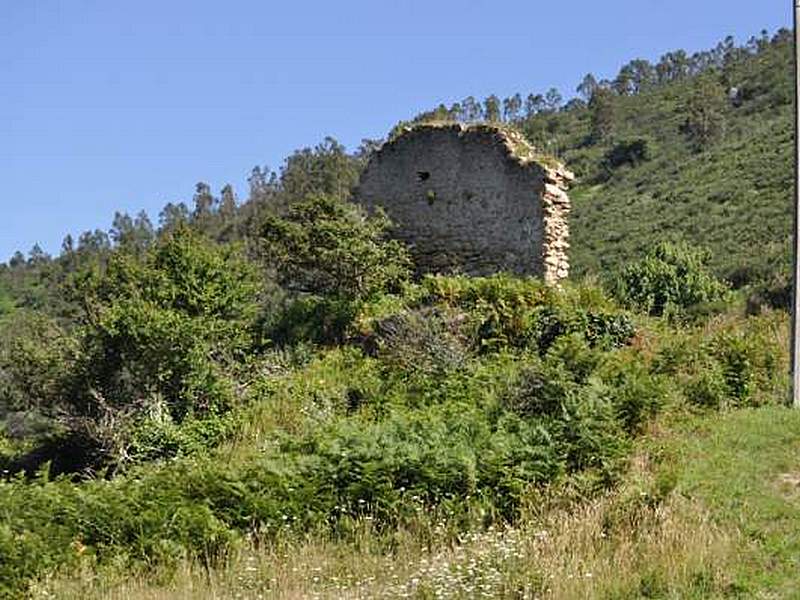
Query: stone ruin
[474, 199]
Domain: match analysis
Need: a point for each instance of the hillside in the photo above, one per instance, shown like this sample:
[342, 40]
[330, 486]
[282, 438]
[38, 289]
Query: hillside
[263, 399]
[643, 177]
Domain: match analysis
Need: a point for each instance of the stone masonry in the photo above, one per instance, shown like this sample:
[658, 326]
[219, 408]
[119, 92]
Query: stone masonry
[475, 199]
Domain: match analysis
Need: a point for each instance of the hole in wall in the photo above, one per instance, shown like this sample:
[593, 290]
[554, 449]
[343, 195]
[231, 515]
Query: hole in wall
[423, 175]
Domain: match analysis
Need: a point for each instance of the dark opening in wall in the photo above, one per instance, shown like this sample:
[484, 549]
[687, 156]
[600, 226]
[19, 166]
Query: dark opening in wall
[423, 175]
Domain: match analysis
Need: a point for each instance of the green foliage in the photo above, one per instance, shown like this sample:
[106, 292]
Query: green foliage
[169, 324]
[310, 319]
[162, 333]
[453, 399]
[6, 303]
[329, 247]
[636, 393]
[472, 393]
[705, 109]
[629, 152]
[425, 340]
[36, 357]
[670, 279]
[527, 314]
[602, 114]
[325, 170]
[730, 364]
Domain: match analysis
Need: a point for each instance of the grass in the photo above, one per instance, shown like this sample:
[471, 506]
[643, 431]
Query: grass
[708, 509]
[745, 467]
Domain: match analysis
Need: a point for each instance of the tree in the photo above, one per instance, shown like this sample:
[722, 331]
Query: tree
[574, 104]
[67, 245]
[673, 66]
[324, 170]
[93, 242]
[227, 203]
[132, 235]
[534, 104]
[263, 184]
[511, 107]
[327, 246]
[121, 230]
[553, 100]
[623, 84]
[173, 215]
[204, 206]
[158, 335]
[367, 148]
[602, 114]
[472, 109]
[144, 233]
[163, 328]
[587, 87]
[17, 260]
[492, 109]
[37, 256]
[705, 110]
[643, 75]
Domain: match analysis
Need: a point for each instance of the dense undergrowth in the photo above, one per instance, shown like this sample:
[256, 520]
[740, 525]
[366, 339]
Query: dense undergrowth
[451, 402]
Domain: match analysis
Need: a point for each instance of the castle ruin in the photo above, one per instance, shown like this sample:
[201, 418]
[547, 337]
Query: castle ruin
[475, 199]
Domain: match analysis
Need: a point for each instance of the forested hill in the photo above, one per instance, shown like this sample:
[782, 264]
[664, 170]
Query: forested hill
[695, 147]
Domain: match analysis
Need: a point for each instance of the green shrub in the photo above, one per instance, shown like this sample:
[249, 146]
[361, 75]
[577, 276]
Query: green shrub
[629, 152]
[508, 312]
[329, 247]
[160, 331]
[314, 319]
[730, 362]
[37, 356]
[707, 388]
[425, 340]
[750, 364]
[636, 393]
[168, 324]
[670, 279]
[581, 420]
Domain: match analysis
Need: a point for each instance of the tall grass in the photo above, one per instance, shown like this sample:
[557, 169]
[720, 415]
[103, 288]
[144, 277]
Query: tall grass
[627, 544]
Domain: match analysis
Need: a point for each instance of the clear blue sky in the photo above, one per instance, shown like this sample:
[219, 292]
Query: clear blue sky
[124, 105]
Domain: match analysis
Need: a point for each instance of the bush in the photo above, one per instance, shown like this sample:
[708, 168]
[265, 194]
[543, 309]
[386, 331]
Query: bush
[729, 362]
[424, 340]
[160, 331]
[37, 356]
[629, 152]
[672, 278]
[636, 393]
[169, 325]
[329, 247]
[507, 312]
[312, 319]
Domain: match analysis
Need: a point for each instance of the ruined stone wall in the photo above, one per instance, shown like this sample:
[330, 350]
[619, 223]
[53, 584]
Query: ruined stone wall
[472, 199]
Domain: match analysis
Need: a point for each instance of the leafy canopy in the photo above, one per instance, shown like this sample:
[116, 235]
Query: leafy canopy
[328, 246]
[671, 278]
[167, 324]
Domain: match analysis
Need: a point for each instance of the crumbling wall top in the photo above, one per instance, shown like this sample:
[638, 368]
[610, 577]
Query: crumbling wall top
[514, 144]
